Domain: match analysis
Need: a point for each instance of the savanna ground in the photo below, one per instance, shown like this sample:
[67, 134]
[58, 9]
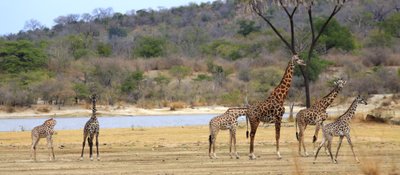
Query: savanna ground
[184, 150]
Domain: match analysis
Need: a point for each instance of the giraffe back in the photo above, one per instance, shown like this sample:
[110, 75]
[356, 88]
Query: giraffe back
[228, 119]
[44, 130]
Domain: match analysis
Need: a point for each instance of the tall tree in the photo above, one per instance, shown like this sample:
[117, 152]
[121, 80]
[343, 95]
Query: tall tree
[290, 7]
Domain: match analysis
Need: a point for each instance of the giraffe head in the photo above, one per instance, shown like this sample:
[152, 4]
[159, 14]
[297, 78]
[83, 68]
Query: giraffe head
[361, 100]
[50, 122]
[340, 82]
[295, 58]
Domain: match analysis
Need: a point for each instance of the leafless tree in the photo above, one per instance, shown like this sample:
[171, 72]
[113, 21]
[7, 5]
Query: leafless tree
[290, 7]
[32, 25]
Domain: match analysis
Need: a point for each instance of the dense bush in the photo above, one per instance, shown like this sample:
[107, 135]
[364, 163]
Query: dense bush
[104, 49]
[315, 67]
[148, 47]
[335, 35]
[21, 56]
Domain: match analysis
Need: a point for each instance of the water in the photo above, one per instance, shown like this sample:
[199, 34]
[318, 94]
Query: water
[112, 122]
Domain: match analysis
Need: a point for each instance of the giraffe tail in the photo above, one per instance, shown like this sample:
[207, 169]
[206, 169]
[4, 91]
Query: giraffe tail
[297, 133]
[247, 126]
[209, 144]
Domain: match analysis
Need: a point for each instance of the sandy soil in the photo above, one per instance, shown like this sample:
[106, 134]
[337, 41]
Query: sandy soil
[183, 150]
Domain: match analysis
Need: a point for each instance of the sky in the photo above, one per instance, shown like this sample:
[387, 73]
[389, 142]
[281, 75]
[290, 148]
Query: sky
[14, 13]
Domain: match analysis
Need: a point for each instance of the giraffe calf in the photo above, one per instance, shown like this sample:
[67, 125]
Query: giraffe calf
[226, 121]
[46, 130]
[340, 128]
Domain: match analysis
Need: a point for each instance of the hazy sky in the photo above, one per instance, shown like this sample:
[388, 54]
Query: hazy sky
[14, 13]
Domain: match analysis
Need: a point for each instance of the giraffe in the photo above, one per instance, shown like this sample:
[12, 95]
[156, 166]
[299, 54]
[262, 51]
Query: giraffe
[315, 115]
[225, 121]
[340, 127]
[271, 109]
[91, 130]
[46, 130]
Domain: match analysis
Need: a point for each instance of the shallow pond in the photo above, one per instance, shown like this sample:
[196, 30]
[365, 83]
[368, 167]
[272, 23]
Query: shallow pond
[112, 122]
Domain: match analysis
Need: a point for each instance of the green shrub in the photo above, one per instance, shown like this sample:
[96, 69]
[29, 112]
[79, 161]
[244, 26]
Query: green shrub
[246, 27]
[148, 47]
[335, 35]
[315, 67]
[132, 82]
[225, 49]
[232, 98]
[21, 56]
[116, 31]
[104, 49]
[391, 25]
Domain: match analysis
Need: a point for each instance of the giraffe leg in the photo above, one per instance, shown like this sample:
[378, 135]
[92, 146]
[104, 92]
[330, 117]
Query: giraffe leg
[35, 141]
[50, 147]
[90, 141]
[214, 139]
[315, 137]
[340, 144]
[97, 146]
[320, 146]
[83, 144]
[209, 145]
[230, 143]
[330, 148]
[351, 146]
[277, 137]
[234, 143]
[301, 140]
[253, 130]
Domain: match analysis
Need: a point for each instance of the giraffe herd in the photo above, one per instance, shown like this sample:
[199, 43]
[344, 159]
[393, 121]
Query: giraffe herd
[270, 110]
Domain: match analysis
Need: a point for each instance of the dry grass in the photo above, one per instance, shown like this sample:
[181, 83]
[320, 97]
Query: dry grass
[183, 150]
[177, 105]
[44, 108]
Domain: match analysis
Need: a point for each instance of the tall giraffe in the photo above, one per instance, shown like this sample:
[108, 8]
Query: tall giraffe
[46, 130]
[227, 120]
[315, 115]
[340, 127]
[271, 109]
[91, 130]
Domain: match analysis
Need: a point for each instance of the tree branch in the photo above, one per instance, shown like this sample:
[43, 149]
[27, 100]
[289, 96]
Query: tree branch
[290, 15]
[314, 40]
[259, 13]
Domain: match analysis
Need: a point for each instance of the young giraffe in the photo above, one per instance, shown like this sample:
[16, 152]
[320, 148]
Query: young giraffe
[315, 115]
[46, 130]
[341, 128]
[91, 130]
[225, 121]
[271, 109]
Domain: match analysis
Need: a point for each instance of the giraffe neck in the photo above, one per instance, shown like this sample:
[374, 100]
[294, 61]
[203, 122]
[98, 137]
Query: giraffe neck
[348, 115]
[94, 108]
[326, 101]
[237, 112]
[280, 92]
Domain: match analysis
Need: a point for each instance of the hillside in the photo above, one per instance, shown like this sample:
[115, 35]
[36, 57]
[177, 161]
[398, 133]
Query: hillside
[199, 54]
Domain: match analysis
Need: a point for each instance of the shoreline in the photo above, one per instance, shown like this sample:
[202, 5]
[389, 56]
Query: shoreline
[109, 111]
